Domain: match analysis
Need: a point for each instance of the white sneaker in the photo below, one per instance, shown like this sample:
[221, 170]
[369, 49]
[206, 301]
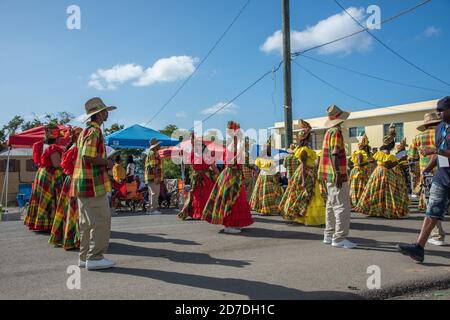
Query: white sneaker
[99, 264]
[232, 230]
[344, 244]
[414, 196]
[327, 240]
[435, 242]
[82, 264]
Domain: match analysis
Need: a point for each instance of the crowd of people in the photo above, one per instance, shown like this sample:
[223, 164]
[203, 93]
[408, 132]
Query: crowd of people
[70, 196]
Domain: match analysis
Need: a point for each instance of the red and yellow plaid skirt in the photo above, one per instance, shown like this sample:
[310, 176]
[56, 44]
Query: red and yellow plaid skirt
[43, 201]
[266, 195]
[385, 195]
[358, 181]
[65, 230]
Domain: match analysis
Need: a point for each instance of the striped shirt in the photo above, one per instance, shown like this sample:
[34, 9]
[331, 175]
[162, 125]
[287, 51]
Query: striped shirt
[333, 144]
[88, 180]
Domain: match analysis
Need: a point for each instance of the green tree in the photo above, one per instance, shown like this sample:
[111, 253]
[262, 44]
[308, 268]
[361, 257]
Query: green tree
[169, 130]
[2, 140]
[114, 127]
[13, 125]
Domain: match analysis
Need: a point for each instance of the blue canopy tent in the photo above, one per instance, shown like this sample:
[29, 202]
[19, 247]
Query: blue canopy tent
[137, 137]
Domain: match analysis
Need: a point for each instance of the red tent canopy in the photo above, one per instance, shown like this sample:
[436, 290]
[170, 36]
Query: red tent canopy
[26, 139]
[186, 145]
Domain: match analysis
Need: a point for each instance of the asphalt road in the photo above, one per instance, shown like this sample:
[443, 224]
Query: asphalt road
[159, 257]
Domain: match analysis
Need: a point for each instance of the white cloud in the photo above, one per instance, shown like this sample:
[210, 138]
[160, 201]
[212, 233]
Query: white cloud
[181, 114]
[432, 31]
[164, 70]
[229, 109]
[167, 70]
[331, 28]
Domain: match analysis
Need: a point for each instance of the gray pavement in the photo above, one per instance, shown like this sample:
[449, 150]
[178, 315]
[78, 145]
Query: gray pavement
[159, 257]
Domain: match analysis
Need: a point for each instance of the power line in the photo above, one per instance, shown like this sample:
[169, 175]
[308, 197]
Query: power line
[389, 48]
[294, 54]
[371, 76]
[243, 91]
[334, 87]
[201, 62]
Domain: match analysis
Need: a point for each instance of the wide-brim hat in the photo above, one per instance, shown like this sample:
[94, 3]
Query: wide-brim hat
[430, 119]
[94, 106]
[154, 143]
[335, 116]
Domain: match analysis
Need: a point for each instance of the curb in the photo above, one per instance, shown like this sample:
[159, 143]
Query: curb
[408, 288]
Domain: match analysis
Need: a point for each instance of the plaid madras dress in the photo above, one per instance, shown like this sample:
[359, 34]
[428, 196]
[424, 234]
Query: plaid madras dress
[202, 183]
[385, 194]
[423, 140]
[65, 230]
[267, 192]
[90, 181]
[46, 188]
[297, 199]
[227, 204]
[358, 177]
[291, 163]
[249, 179]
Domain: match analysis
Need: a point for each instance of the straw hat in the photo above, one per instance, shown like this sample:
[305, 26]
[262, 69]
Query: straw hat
[335, 116]
[154, 143]
[94, 106]
[429, 119]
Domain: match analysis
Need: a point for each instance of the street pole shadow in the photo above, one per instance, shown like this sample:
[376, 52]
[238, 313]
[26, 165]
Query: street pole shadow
[175, 256]
[383, 228]
[254, 290]
[154, 238]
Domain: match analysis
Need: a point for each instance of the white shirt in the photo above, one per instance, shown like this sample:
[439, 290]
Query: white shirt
[131, 167]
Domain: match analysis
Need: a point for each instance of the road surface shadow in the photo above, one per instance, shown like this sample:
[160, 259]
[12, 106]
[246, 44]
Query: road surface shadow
[278, 234]
[254, 290]
[175, 256]
[143, 237]
[379, 227]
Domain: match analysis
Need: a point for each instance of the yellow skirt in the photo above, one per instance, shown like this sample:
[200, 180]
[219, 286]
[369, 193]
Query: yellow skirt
[315, 212]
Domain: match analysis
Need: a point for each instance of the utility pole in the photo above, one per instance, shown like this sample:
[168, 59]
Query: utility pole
[287, 73]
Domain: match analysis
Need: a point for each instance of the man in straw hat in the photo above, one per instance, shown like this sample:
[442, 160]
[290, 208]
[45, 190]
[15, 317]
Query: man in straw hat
[153, 175]
[333, 169]
[424, 140]
[91, 184]
[440, 189]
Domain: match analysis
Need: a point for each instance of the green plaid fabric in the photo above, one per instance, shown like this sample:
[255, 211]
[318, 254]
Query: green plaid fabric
[88, 180]
[295, 200]
[423, 140]
[333, 144]
[266, 195]
[291, 164]
[224, 195]
[358, 181]
[385, 195]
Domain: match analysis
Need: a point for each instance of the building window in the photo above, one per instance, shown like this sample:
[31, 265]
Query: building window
[31, 166]
[398, 130]
[354, 132]
[283, 141]
[14, 165]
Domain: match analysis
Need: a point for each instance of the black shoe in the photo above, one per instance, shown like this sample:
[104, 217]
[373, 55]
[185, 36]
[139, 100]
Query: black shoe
[415, 251]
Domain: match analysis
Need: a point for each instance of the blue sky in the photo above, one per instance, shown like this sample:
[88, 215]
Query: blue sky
[44, 67]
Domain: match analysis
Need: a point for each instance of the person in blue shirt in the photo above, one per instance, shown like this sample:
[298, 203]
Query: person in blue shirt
[440, 188]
